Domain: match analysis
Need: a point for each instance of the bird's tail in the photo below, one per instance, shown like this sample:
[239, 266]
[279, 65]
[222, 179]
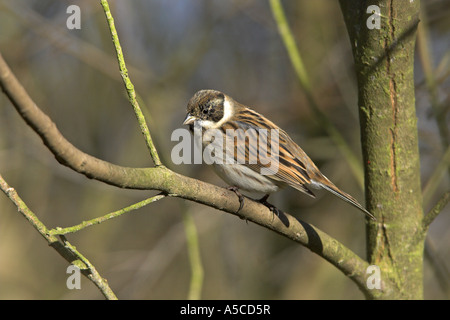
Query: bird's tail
[345, 196]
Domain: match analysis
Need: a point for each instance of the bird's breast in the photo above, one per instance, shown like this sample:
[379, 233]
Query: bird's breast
[245, 178]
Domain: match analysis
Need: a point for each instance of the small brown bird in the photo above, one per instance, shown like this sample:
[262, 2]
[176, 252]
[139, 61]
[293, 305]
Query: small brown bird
[244, 131]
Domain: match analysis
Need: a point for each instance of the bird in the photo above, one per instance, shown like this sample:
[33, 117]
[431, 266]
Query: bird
[217, 117]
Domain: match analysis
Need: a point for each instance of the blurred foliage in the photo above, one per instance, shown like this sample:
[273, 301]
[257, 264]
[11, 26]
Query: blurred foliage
[172, 49]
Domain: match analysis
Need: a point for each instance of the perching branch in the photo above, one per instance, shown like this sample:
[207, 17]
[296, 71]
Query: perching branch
[176, 185]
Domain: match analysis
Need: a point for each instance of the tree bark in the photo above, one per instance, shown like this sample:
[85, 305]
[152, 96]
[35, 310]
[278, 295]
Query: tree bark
[384, 63]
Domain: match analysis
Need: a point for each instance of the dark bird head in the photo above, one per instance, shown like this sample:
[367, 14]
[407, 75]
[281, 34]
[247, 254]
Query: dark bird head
[206, 105]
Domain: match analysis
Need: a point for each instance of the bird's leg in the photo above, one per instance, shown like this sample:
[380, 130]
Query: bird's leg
[241, 197]
[271, 207]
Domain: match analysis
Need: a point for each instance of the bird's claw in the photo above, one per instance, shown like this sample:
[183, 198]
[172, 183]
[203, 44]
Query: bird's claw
[271, 207]
[241, 197]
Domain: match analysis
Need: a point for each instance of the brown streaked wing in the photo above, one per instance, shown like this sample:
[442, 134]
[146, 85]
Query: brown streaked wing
[291, 169]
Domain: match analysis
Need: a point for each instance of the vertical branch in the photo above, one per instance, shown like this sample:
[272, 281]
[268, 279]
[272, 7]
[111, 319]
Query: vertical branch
[384, 62]
[195, 260]
[129, 85]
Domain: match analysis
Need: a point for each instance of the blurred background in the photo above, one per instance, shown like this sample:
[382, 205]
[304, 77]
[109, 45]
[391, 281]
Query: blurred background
[172, 49]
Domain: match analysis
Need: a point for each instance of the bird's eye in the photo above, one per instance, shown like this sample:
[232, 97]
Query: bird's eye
[205, 111]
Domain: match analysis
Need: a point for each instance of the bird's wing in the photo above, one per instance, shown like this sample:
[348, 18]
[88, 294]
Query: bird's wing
[267, 149]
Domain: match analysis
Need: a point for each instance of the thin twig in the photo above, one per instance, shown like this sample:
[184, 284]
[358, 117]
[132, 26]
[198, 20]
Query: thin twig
[129, 85]
[436, 177]
[68, 252]
[195, 287]
[305, 84]
[64, 40]
[88, 223]
[91, 272]
[425, 57]
[437, 209]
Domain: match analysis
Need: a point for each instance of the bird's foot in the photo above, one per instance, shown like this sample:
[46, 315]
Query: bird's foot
[271, 207]
[241, 197]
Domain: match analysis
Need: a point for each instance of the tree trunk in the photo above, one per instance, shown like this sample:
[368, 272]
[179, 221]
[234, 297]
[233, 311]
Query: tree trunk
[384, 62]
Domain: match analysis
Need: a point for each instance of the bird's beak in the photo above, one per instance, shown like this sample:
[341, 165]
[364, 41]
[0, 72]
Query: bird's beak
[189, 119]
